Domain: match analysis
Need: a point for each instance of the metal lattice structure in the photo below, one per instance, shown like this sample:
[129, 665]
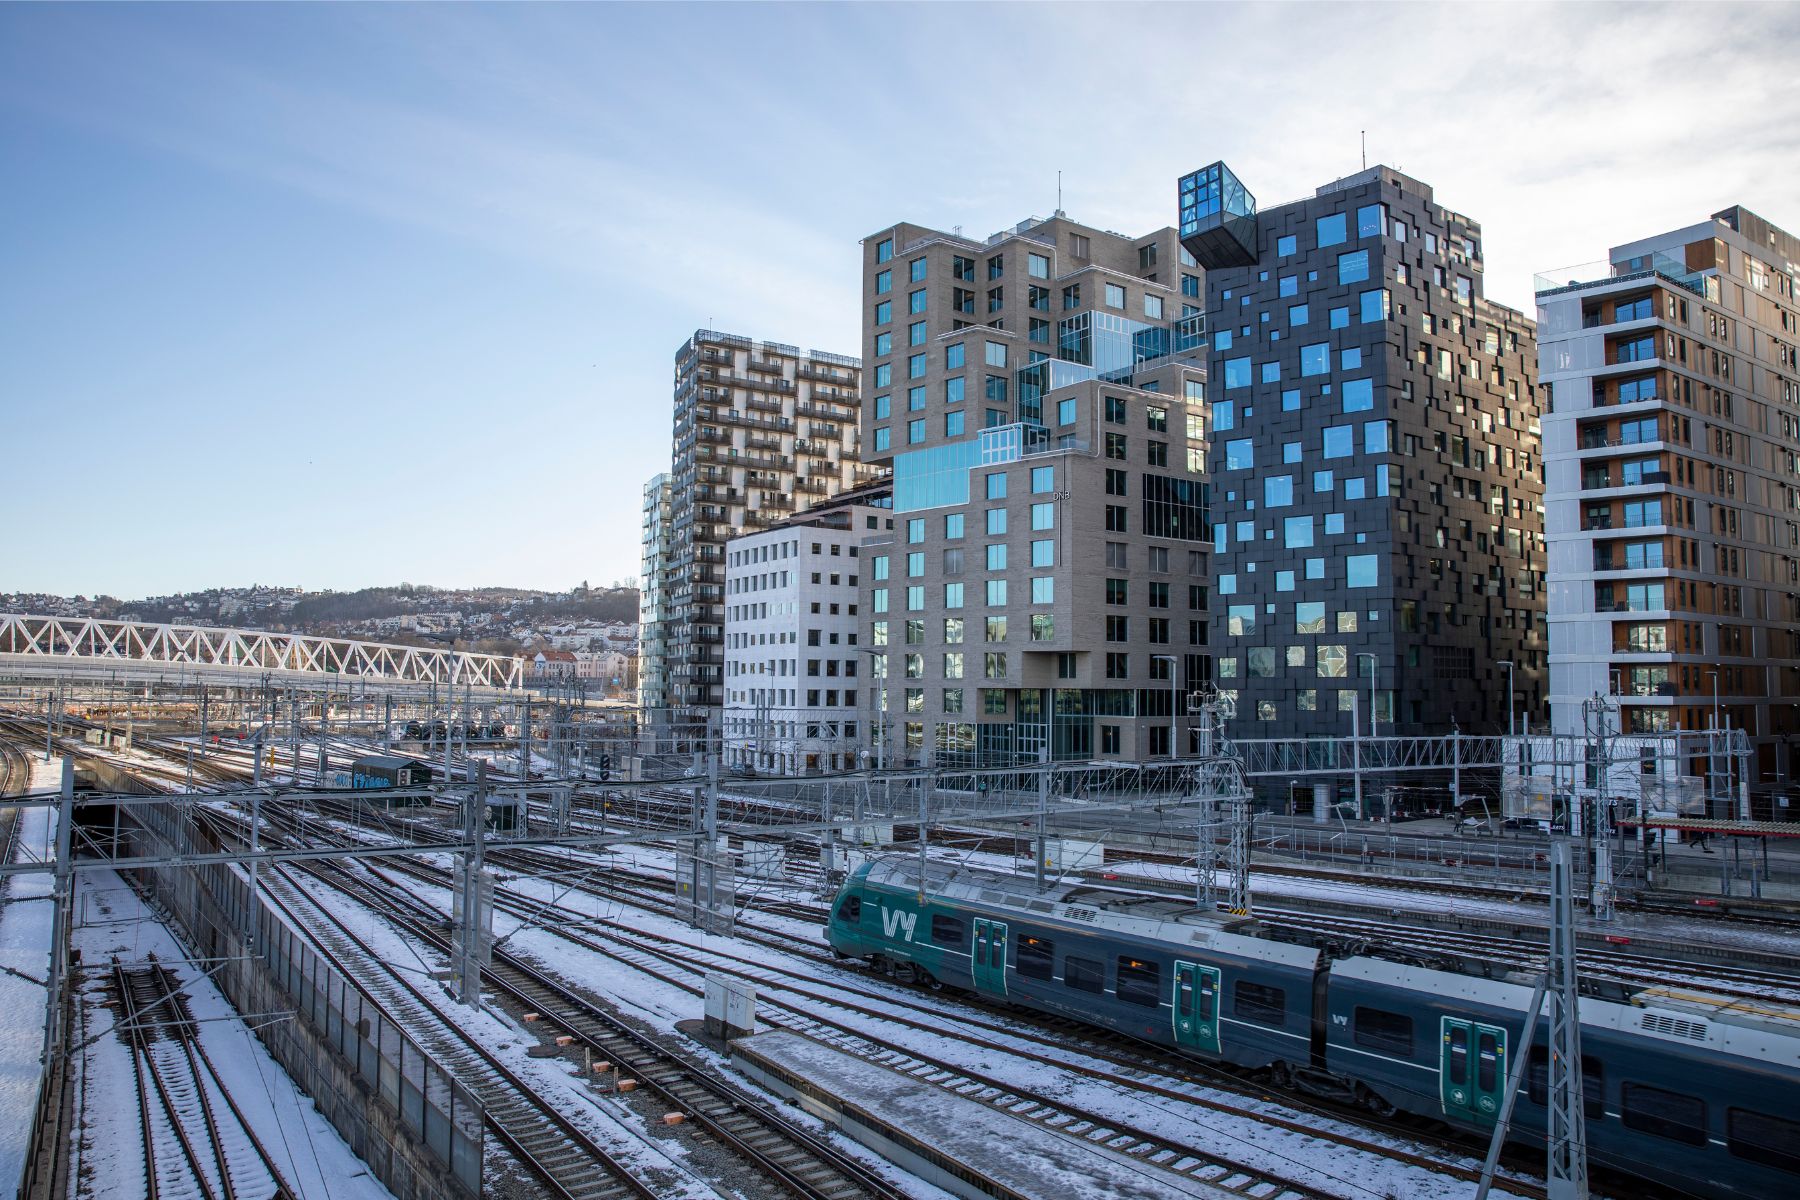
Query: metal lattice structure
[1291, 757]
[37, 641]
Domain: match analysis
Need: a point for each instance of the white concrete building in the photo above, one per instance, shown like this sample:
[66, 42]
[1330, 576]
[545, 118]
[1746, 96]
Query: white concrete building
[793, 669]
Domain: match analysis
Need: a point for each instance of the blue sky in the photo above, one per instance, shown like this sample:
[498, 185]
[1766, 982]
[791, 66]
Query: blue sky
[345, 295]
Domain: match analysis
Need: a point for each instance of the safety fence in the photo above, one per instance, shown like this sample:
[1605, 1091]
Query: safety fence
[400, 1111]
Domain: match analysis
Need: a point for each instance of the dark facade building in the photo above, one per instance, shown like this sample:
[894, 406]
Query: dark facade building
[1376, 479]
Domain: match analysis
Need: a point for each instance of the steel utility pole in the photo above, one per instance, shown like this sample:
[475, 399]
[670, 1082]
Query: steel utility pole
[63, 892]
[1566, 1177]
[1600, 899]
[1043, 806]
[473, 913]
[1356, 748]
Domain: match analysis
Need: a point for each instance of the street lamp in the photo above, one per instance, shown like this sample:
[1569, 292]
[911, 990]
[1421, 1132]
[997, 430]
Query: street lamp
[1373, 661]
[1174, 678]
[1509, 694]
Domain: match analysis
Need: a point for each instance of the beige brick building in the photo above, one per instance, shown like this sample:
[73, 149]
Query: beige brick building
[1040, 401]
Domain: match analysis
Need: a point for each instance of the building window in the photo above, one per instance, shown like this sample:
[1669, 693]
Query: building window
[1117, 482]
[915, 432]
[1332, 230]
[1115, 296]
[884, 282]
[884, 250]
[996, 593]
[1353, 267]
[1153, 307]
[955, 355]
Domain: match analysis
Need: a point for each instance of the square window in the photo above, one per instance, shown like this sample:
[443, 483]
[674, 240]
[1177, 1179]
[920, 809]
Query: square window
[1353, 267]
[1332, 230]
[1285, 246]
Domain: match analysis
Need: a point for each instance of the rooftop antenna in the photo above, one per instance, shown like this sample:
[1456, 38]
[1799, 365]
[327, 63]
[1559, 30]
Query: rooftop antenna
[1365, 149]
[1059, 206]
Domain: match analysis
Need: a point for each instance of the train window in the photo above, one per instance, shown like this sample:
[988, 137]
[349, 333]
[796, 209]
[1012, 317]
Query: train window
[1771, 1141]
[1379, 1029]
[946, 931]
[1666, 1114]
[1037, 958]
[1254, 1002]
[1084, 974]
[1487, 1058]
[1140, 982]
[850, 911]
[1459, 1055]
[1593, 1082]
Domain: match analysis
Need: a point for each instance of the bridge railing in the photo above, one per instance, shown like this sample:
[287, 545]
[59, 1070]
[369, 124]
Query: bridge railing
[90, 640]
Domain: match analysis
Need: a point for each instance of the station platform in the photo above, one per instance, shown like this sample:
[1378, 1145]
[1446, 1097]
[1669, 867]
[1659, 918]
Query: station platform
[962, 1146]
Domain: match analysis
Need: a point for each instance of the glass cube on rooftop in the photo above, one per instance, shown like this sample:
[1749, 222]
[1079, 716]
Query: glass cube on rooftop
[1218, 218]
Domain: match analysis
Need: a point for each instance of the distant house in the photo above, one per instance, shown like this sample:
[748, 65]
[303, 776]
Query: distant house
[550, 663]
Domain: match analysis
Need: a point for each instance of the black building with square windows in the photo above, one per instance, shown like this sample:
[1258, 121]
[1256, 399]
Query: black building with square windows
[1377, 494]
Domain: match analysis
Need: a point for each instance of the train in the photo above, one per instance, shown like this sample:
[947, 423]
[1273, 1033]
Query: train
[1698, 1093]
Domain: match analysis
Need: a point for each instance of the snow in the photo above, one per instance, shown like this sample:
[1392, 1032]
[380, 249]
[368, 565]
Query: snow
[949, 1035]
[25, 924]
[1019, 1154]
[609, 1120]
[108, 1153]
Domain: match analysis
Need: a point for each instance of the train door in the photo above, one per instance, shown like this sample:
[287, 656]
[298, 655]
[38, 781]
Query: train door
[1197, 1007]
[988, 964]
[1472, 1070]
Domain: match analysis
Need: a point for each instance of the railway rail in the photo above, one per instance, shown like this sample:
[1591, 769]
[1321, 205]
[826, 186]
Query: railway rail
[197, 1141]
[760, 1133]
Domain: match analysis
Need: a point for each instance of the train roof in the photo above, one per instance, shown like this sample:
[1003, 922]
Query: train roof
[1080, 904]
[389, 762]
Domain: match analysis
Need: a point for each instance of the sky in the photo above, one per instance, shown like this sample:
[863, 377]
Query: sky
[345, 295]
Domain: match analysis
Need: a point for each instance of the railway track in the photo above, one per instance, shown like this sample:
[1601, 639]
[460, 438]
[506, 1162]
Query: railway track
[197, 1141]
[685, 968]
[567, 1160]
[760, 1133]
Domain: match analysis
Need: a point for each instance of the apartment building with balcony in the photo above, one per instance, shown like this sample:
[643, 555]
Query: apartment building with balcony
[1672, 444]
[761, 429]
[795, 665]
[653, 606]
[1376, 495]
[1046, 583]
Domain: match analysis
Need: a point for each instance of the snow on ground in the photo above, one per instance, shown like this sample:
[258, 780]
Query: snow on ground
[108, 1154]
[25, 922]
[609, 1120]
[661, 1004]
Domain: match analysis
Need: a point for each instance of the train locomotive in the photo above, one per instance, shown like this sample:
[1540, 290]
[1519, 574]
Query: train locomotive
[1697, 1092]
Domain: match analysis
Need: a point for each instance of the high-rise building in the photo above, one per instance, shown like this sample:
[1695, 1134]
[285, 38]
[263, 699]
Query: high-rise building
[653, 607]
[760, 430]
[1672, 440]
[1376, 494]
[794, 662]
[1045, 583]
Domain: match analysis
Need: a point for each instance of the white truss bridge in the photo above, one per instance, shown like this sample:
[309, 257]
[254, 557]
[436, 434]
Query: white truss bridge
[83, 646]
